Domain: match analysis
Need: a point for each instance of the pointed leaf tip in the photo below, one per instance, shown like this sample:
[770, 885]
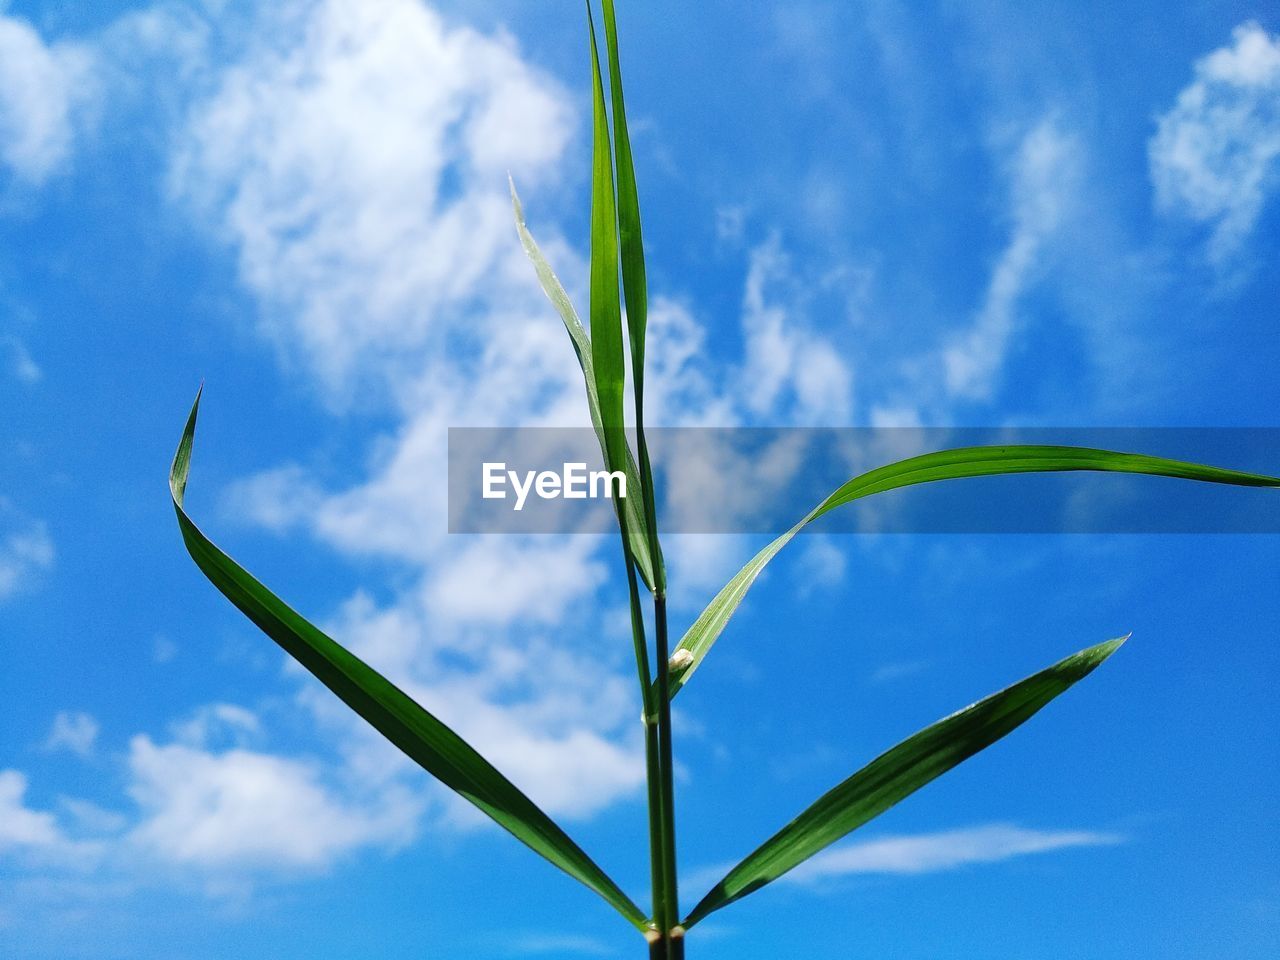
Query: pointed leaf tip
[954, 464]
[899, 772]
[399, 718]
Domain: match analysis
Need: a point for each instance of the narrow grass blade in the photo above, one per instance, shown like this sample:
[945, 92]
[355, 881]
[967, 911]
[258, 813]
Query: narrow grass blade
[635, 289]
[941, 465]
[635, 293]
[634, 281]
[607, 359]
[422, 737]
[633, 503]
[897, 774]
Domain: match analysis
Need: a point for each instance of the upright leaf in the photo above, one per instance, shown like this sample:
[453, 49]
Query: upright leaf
[395, 715]
[927, 468]
[897, 774]
[635, 290]
[607, 361]
[632, 504]
[634, 282]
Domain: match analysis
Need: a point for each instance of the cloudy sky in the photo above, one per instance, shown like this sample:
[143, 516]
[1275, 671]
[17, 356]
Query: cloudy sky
[871, 214]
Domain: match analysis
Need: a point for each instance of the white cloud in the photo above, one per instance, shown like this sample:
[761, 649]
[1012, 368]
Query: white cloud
[556, 716]
[788, 369]
[921, 853]
[559, 944]
[678, 388]
[216, 723]
[76, 732]
[37, 839]
[42, 86]
[163, 649]
[26, 550]
[947, 850]
[20, 826]
[238, 809]
[356, 161]
[499, 580]
[821, 564]
[22, 365]
[1044, 173]
[731, 222]
[356, 158]
[1214, 154]
[207, 802]
[899, 670]
[91, 819]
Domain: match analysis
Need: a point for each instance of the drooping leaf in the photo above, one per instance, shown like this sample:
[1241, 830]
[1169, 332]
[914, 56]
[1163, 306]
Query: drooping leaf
[941, 465]
[634, 502]
[394, 714]
[898, 773]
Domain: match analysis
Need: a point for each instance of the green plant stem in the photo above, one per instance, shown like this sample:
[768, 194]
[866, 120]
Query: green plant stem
[666, 948]
[666, 771]
[652, 747]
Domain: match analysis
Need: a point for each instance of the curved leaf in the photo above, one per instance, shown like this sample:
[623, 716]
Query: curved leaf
[897, 774]
[395, 715]
[941, 465]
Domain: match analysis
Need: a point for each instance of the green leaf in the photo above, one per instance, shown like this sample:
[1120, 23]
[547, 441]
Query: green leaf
[941, 465]
[422, 737]
[897, 774]
[635, 289]
[634, 505]
[634, 282]
[607, 360]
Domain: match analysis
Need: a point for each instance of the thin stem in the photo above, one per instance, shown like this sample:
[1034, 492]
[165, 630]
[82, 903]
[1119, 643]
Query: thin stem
[662, 842]
[666, 768]
[652, 747]
[666, 948]
[657, 725]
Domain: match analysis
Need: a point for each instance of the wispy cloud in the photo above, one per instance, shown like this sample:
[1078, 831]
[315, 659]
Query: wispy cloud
[899, 670]
[401, 266]
[72, 731]
[207, 804]
[922, 853]
[20, 826]
[788, 368]
[539, 944]
[1044, 172]
[26, 550]
[1214, 154]
[36, 836]
[22, 365]
[821, 564]
[356, 162]
[356, 157]
[42, 86]
[217, 723]
[240, 809]
[948, 850]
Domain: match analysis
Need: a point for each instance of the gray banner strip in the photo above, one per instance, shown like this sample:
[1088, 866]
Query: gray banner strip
[762, 480]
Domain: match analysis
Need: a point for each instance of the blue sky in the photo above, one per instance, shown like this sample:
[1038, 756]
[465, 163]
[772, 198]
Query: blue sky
[866, 214]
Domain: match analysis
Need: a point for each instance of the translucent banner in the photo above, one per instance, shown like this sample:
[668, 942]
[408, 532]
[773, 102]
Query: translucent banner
[763, 480]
